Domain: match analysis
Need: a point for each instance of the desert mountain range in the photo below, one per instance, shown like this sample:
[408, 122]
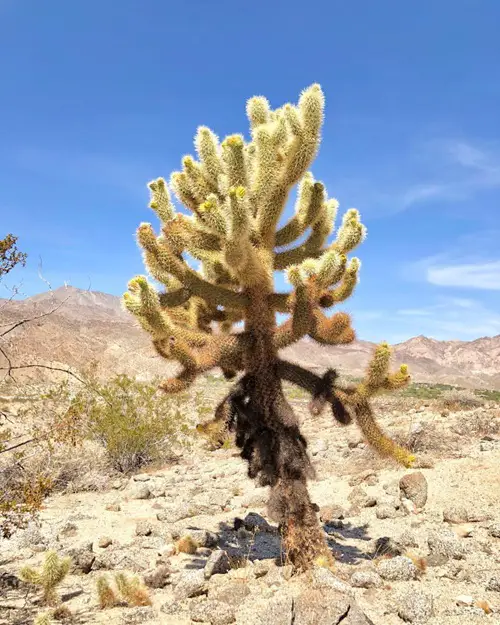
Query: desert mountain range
[88, 326]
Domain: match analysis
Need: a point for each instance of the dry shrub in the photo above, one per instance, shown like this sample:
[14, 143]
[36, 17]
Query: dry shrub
[461, 399]
[478, 424]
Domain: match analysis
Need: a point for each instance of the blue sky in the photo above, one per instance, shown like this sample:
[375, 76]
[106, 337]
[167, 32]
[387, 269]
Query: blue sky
[100, 97]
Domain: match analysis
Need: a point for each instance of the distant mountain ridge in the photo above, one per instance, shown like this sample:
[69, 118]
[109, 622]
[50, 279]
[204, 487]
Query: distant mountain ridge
[89, 325]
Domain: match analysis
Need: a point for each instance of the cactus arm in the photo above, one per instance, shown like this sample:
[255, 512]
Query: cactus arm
[171, 299]
[356, 398]
[161, 257]
[335, 330]
[344, 289]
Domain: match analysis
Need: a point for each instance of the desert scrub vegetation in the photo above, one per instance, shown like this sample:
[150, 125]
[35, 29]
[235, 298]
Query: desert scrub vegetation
[119, 425]
[461, 399]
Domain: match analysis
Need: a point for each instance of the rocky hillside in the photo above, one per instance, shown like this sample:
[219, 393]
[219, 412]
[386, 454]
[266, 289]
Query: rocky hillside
[87, 326]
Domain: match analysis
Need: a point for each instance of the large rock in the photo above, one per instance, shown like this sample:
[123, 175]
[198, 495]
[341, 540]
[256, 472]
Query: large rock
[414, 487]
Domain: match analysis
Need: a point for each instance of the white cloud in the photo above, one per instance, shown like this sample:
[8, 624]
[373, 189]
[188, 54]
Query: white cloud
[476, 276]
[463, 170]
[450, 319]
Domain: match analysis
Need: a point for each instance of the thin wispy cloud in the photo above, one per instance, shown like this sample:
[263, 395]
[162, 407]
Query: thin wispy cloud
[461, 168]
[451, 318]
[478, 276]
[471, 262]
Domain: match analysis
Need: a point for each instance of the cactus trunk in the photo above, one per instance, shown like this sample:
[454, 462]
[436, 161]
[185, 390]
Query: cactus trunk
[283, 464]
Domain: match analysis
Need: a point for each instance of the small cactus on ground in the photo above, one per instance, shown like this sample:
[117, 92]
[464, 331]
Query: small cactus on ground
[236, 192]
[48, 577]
[129, 590]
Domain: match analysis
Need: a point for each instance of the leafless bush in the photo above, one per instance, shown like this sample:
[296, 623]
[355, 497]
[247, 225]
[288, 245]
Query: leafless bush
[461, 399]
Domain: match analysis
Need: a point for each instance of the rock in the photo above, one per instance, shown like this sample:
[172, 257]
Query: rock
[324, 578]
[366, 579]
[368, 476]
[113, 507]
[190, 584]
[279, 574]
[494, 530]
[386, 512]
[104, 541]
[213, 612]
[82, 558]
[143, 528]
[415, 606]
[464, 600]
[494, 584]
[329, 514]
[445, 543]
[408, 539]
[231, 592]
[140, 491]
[136, 560]
[217, 563]
[399, 568]
[141, 477]
[277, 610]
[202, 537]
[414, 487]
[360, 498]
[174, 513]
[137, 615]
[254, 522]
[159, 577]
[262, 567]
[460, 514]
[387, 546]
[322, 607]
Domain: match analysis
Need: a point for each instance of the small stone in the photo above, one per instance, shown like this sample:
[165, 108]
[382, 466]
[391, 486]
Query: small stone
[104, 542]
[415, 606]
[82, 558]
[494, 584]
[386, 512]
[446, 544]
[414, 487]
[158, 578]
[399, 568]
[230, 592]
[360, 498]
[141, 491]
[213, 612]
[494, 530]
[190, 584]
[255, 522]
[324, 578]
[203, 538]
[113, 507]
[328, 514]
[408, 539]
[366, 579]
[141, 477]
[464, 600]
[143, 528]
[132, 616]
[217, 563]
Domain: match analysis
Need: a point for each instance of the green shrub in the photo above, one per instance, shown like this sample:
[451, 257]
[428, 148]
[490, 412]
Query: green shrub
[136, 424]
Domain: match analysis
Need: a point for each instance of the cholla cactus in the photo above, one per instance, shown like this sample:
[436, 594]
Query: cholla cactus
[236, 192]
[51, 574]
